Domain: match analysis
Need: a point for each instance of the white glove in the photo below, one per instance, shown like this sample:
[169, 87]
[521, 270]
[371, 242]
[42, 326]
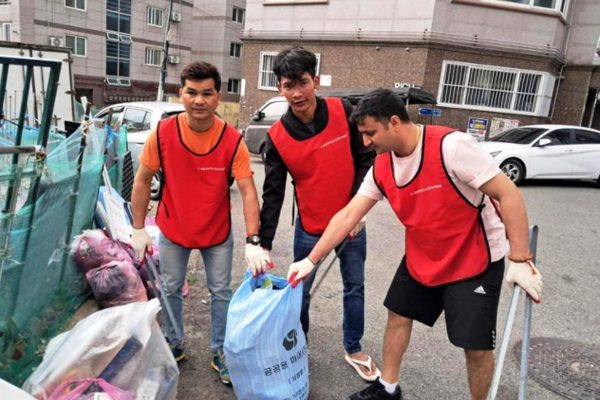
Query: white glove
[299, 270]
[526, 275]
[359, 227]
[258, 259]
[140, 241]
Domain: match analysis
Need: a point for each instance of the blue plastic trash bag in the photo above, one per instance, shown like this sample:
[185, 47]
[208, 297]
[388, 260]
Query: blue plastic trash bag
[265, 346]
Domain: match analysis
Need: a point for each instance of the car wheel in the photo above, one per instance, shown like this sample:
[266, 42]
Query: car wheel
[263, 152]
[514, 169]
[155, 186]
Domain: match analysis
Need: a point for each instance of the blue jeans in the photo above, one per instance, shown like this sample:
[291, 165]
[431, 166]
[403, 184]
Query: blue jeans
[217, 264]
[352, 266]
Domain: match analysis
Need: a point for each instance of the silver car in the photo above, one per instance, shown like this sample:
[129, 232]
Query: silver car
[140, 118]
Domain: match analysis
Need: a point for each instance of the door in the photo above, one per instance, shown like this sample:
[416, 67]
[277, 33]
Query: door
[586, 154]
[552, 160]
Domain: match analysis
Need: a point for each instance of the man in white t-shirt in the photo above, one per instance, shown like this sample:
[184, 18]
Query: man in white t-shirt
[458, 210]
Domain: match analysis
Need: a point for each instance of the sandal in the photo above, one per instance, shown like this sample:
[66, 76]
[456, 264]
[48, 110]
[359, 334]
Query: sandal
[368, 364]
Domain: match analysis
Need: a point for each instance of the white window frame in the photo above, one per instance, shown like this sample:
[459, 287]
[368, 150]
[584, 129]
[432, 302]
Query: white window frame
[154, 14]
[74, 6]
[239, 85]
[235, 14]
[561, 6]
[262, 73]
[150, 53]
[6, 31]
[74, 49]
[514, 98]
[124, 38]
[235, 50]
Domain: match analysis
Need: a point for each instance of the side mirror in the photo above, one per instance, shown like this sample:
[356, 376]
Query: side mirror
[544, 142]
[258, 115]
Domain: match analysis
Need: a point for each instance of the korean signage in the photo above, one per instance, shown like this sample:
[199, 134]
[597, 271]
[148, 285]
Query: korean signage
[502, 124]
[432, 112]
[477, 127]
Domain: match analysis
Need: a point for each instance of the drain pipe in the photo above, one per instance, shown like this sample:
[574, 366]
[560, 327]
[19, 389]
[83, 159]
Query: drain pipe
[591, 119]
[562, 67]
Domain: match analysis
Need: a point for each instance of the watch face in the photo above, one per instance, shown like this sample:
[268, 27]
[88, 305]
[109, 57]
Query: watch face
[254, 239]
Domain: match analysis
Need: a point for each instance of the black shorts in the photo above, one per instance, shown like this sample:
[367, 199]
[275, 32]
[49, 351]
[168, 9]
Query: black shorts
[470, 305]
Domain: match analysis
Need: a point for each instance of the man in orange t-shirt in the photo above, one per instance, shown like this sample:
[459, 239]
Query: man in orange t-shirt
[197, 153]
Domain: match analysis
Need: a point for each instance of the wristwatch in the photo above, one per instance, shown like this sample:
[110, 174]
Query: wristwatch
[253, 239]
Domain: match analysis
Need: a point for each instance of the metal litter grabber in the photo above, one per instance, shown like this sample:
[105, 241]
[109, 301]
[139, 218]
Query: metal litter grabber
[317, 284]
[152, 269]
[160, 295]
[533, 234]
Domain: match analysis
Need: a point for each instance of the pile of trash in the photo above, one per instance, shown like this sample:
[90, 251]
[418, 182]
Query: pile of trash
[118, 353]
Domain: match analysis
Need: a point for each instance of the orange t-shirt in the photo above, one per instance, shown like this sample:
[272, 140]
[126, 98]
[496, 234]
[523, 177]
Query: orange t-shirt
[199, 143]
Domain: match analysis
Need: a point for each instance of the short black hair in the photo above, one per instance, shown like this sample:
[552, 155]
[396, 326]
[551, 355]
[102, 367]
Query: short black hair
[292, 63]
[380, 104]
[199, 71]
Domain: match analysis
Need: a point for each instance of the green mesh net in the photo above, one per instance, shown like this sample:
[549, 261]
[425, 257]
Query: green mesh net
[40, 287]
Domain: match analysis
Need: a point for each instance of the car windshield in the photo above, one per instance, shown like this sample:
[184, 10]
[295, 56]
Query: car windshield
[519, 135]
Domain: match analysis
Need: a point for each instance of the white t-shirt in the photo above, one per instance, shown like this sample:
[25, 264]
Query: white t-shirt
[469, 167]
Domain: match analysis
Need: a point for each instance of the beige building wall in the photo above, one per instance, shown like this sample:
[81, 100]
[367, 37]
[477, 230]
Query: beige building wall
[386, 42]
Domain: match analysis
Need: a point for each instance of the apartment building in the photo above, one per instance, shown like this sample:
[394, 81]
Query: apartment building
[491, 63]
[117, 46]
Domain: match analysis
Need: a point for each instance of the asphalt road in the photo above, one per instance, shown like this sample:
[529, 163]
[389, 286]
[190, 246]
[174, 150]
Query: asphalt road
[568, 216]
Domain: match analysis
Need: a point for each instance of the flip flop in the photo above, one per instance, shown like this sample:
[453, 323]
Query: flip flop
[356, 364]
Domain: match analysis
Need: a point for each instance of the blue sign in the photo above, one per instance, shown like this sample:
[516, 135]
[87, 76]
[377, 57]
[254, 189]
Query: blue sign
[434, 112]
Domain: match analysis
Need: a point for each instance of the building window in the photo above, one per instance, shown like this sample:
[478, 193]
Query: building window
[154, 56]
[154, 16]
[118, 16]
[238, 15]
[491, 88]
[235, 50]
[233, 86]
[4, 2]
[77, 44]
[558, 5]
[118, 42]
[118, 55]
[5, 31]
[77, 4]
[266, 77]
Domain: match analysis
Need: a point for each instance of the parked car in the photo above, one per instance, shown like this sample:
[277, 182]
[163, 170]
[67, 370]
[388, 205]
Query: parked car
[256, 132]
[262, 119]
[547, 152]
[140, 118]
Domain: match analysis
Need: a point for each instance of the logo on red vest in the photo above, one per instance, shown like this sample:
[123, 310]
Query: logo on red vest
[211, 169]
[334, 140]
[426, 189]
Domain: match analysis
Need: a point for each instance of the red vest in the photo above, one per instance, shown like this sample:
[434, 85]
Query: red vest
[322, 167]
[194, 210]
[445, 237]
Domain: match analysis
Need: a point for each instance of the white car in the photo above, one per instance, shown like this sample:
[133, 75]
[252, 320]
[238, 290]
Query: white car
[547, 152]
[140, 118]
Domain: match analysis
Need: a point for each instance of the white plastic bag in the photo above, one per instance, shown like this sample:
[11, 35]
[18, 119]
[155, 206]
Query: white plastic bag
[123, 345]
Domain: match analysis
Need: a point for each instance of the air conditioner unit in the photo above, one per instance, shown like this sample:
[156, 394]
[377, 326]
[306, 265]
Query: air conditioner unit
[56, 41]
[173, 59]
[176, 17]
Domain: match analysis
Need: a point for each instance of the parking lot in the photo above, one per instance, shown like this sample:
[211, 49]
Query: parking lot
[568, 217]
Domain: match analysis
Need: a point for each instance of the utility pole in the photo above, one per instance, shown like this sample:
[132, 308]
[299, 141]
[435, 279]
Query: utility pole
[163, 68]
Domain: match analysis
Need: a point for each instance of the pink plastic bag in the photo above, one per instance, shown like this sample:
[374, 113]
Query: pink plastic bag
[75, 389]
[93, 248]
[116, 283]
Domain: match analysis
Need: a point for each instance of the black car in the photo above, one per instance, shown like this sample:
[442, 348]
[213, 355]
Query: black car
[274, 108]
